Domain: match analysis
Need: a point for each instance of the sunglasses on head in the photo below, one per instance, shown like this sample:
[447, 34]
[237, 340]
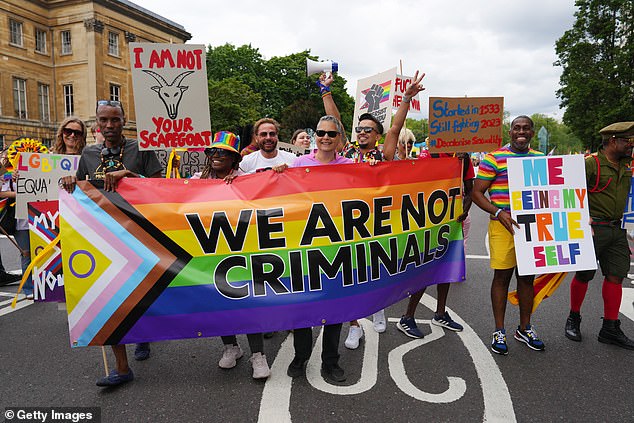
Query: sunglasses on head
[113, 103]
[322, 133]
[76, 132]
[365, 129]
[220, 152]
[111, 151]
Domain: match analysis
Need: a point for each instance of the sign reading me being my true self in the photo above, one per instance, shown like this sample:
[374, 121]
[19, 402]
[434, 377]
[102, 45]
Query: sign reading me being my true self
[549, 201]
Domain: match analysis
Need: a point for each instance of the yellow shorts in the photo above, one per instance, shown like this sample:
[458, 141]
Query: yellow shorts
[501, 246]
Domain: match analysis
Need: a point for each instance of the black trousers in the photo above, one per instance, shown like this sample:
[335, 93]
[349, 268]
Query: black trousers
[303, 343]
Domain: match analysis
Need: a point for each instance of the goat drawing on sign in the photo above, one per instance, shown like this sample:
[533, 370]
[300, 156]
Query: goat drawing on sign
[170, 94]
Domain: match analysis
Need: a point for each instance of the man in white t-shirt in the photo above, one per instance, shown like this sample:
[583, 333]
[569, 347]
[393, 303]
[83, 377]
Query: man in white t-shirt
[268, 156]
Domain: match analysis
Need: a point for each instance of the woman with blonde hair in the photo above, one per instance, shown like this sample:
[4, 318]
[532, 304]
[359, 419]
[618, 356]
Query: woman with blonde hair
[71, 136]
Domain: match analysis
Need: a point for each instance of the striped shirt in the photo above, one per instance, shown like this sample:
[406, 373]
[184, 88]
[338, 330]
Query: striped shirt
[493, 168]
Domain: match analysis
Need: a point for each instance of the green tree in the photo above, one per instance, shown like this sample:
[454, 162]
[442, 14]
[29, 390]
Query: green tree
[559, 135]
[232, 105]
[597, 56]
[281, 83]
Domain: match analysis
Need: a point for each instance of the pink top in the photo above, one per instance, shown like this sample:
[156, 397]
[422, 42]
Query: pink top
[310, 160]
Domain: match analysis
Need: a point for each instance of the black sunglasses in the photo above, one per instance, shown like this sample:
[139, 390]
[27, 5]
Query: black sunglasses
[77, 132]
[113, 103]
[220, 152]
[366, 129]
[270, 134]
[322, 133]
[111, 151]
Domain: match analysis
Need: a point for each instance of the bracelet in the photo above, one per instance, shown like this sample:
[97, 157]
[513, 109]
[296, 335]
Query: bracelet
[327, 93]
[407, 99]
[497, 213]
[323, 89]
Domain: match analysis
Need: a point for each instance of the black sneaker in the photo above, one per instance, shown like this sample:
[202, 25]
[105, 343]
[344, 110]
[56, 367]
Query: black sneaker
[297, 368]
[573, 327]
[7, 278]
[333, 373]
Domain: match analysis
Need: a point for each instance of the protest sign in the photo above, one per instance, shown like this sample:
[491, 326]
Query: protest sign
[191, 161]
[298, 151]
[170, 95]
[549, 201]
[628, 214]
[374, 96]
[177, 258]
[48, 280]
[39, 178]
[465, 124]
[400, 85]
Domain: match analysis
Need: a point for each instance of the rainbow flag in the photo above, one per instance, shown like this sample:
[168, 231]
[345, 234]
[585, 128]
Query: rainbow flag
[3, 205]
[175, 258]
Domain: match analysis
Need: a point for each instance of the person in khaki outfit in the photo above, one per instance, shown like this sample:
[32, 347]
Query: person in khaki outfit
[608, 176]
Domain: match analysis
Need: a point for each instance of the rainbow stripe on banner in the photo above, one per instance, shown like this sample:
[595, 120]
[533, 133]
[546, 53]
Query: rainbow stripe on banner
[171, 258]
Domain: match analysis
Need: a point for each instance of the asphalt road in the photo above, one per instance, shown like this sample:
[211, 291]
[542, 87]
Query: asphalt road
[446, 376]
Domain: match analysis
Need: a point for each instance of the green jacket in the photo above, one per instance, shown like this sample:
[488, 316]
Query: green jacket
[613, 187]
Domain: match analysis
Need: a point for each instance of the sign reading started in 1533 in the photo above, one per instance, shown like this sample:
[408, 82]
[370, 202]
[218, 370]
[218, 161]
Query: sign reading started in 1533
[465, 124]
[170, 95]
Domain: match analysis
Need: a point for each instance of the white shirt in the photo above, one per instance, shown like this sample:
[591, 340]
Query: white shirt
[256, 162]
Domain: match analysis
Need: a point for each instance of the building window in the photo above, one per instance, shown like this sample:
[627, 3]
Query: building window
[115, 92]
[69, 103]
[67, 47]
[45, 109]
[113, 43]
[40, 40]
[15, 33]
[19, 98]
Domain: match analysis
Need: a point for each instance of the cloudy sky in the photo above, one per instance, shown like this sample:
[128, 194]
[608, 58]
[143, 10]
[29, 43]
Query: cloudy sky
[473, 48]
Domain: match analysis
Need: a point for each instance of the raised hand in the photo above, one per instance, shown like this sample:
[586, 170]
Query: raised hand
[373, 97]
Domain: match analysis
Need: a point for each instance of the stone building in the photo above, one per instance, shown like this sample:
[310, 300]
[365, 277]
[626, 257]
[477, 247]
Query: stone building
[58, 57]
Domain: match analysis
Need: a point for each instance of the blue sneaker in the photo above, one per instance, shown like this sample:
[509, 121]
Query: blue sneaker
[529, 337]
[498, 345]
[115, 379]
[142, 351]
[407, 325]
[445, 321]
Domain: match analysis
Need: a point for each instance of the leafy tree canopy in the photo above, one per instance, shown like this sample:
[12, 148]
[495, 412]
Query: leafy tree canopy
[597, 56]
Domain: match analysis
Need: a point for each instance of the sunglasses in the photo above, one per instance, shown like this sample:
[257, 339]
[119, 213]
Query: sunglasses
[365, 129]
[113, 103]
[110, 151]
[270, 134]
[322, 133]
[76, 132]
[220, 152]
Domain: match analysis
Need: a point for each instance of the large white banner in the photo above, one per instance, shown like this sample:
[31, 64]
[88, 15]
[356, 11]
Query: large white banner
[39, 178]
[170, 95]
[374, 95]
[549, 202]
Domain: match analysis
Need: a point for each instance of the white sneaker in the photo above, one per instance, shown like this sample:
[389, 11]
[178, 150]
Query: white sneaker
[354, 336]
[260, 366]
[229, 356]
[379, 321]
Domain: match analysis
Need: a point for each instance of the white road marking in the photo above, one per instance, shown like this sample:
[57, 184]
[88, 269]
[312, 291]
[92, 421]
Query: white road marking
[472, 256]
[498, 406]
[457, 386]
[276, 396]
[22, 302]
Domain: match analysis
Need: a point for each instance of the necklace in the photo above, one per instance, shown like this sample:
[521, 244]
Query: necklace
[111, 160]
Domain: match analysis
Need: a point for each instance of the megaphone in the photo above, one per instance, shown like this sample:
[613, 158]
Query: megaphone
[313, 67]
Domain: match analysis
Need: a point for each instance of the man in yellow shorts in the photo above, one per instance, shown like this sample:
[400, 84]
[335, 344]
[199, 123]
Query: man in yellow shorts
[493, 177]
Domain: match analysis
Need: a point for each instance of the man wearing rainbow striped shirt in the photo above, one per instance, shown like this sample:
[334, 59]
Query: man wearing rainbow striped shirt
[493, 177]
